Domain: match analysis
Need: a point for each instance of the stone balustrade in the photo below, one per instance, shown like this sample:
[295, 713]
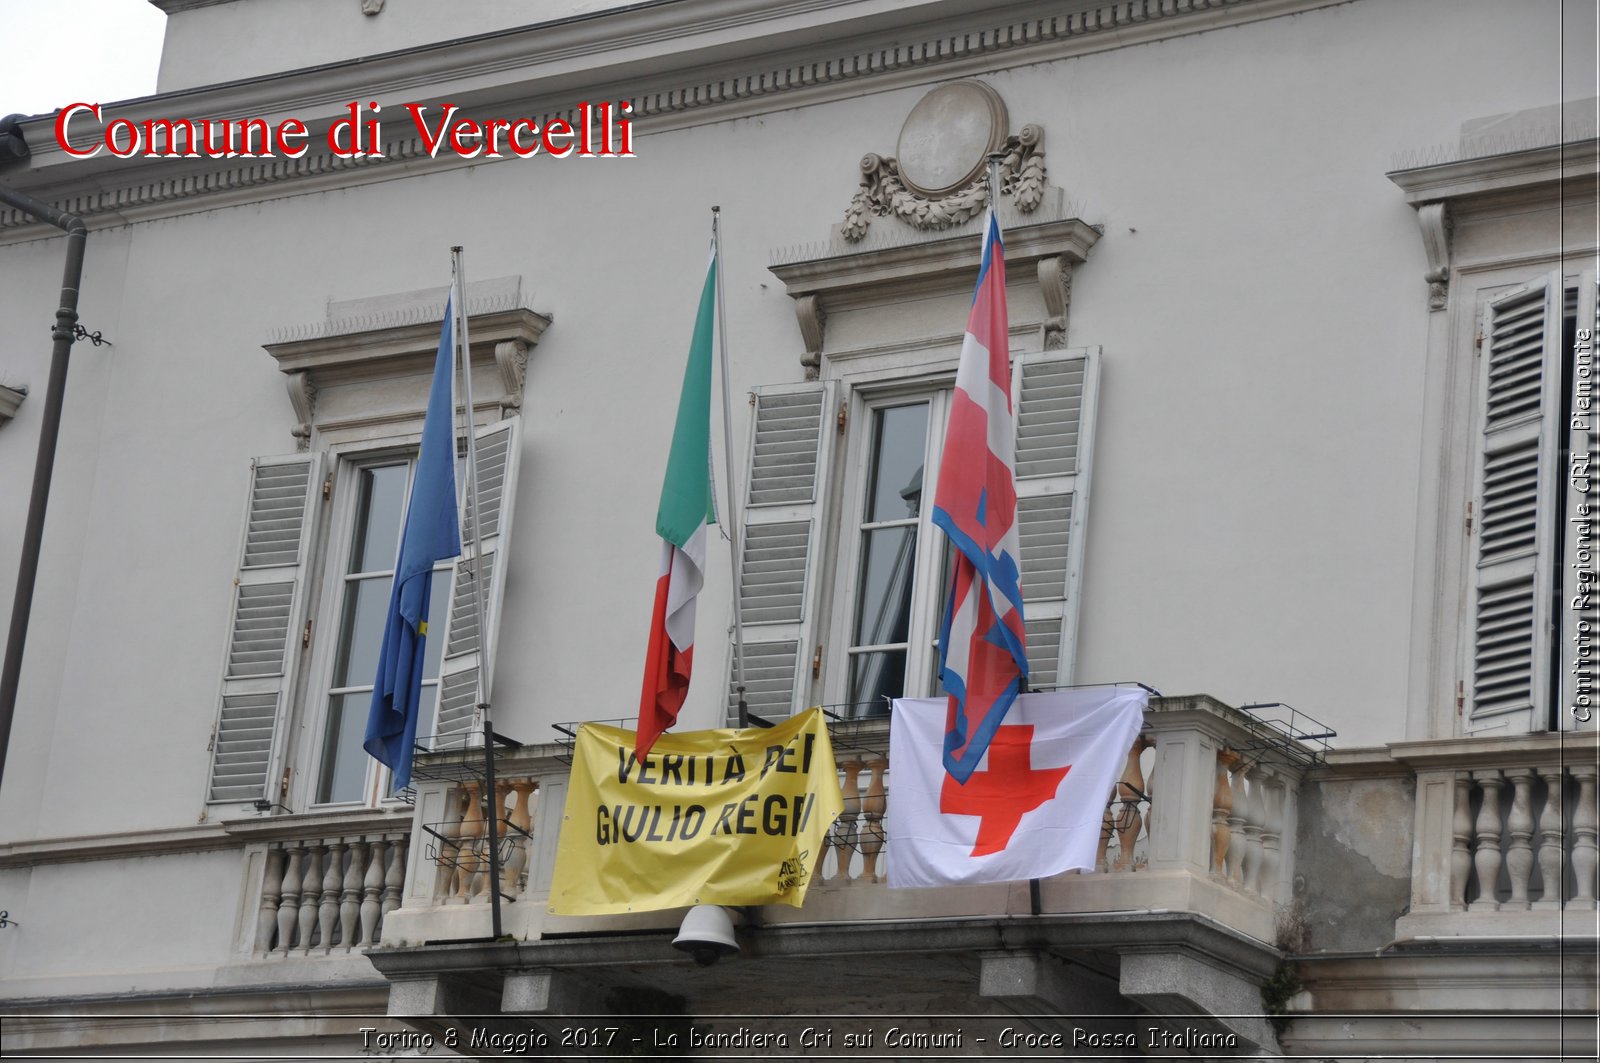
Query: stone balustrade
[459, 844]
[328, 895]
[1505, 836]
[1201, 819]
[1203, 792]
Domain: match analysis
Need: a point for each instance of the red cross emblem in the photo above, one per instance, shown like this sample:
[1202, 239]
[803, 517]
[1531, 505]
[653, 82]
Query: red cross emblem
[1006, 791]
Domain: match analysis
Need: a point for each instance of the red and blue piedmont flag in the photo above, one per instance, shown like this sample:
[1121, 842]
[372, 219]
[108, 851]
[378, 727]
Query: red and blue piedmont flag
[983, 661]
[1035, 805]
[685, 510]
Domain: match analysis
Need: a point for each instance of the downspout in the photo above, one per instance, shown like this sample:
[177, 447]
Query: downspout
[44, 461]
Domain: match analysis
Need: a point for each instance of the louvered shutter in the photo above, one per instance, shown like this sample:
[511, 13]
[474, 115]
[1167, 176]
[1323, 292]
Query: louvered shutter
[790, 450]
[499, 453]
[1512, 579]
[269, 610]
[1580, 598]
[1054, 399]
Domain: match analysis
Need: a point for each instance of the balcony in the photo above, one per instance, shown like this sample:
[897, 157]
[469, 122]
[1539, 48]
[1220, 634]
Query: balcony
[1196, 865]
[1505, 838]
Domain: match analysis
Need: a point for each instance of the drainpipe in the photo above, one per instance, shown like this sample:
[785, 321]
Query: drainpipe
[44, 461]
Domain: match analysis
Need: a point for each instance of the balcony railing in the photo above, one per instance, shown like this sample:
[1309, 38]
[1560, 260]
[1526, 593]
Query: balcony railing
[1201, 820]
[1505, 837]
[328, 895]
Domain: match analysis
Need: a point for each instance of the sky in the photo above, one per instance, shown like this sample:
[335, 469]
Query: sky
[65, 51]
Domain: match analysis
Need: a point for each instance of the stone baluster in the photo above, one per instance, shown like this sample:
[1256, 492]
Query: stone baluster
[1487, 858]
[505, 795]
[1552, 838]
[1461, 842]
[514, 873]
[467, 850]
[838, 843]
[1519, 846]
[1238, 842]
[394, 878]
[1108, 827]
[271, 892]
[873, 806]
[1221, 809]
[289, 905]
[1149, 788]
[350, 900]
[849, 823]
[444, 884]
[372, 890]
[332, 884]
[310, 897]
[1125, 809]
[1255, 812]
[1585, 826]
[1269, 796]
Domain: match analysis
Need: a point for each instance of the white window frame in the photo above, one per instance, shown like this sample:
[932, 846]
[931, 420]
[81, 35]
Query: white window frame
[921, 653]
[315, 698]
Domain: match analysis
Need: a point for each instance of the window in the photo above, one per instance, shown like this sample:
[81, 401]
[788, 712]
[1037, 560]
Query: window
[1531, 583]
[363, 605]
[278, 670]
[1502, 544]
[892, 627]
[844, 610]
[321, 531]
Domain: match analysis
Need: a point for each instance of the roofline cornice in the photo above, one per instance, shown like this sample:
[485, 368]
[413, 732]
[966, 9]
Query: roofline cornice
[681, 63]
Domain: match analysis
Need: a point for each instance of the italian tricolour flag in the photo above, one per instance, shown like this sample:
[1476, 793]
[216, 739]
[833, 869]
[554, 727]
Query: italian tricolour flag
[686, 508]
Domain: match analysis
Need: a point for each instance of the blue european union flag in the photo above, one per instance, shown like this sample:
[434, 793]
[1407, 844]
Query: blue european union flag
[432, 533]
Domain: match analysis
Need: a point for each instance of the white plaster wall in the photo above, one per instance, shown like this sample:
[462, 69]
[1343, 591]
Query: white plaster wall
[1251, 534]
[202, 46]
[107, 927]
[30, 290]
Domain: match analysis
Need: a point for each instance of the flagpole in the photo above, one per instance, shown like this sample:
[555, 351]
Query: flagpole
[458, 286]
[732, 522]
[458, 275]
[1035, 898]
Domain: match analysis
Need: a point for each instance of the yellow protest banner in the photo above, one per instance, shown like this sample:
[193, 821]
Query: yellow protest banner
[709, 817]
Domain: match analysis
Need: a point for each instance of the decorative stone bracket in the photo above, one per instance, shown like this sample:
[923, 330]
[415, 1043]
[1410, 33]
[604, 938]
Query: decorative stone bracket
[1435, 222]
[10, 399]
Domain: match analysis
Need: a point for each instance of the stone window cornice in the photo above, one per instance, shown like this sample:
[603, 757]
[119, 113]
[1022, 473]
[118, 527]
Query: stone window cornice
[335, 368]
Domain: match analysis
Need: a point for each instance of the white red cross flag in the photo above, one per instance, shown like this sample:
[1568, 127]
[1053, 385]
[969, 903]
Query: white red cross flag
[1033, 807]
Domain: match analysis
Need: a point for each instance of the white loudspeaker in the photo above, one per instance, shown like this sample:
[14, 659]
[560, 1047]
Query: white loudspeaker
[707, 934]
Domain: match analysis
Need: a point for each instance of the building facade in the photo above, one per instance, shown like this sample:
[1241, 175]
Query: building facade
[1302, 296]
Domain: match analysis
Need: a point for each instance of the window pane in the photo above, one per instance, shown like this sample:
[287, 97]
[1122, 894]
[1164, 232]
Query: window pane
[366, 607]
[438, 609]
[895, 489]
[344, 762]
[874, 678]
[947, 571]
[888, 557]
[377, 534]
[427, 711]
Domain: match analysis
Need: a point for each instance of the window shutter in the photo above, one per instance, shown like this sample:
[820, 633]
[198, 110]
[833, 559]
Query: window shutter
[1055, 406]
[1580, 600]
[791, 447]
[499, 453]
[1516, 468]
[269, 610]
